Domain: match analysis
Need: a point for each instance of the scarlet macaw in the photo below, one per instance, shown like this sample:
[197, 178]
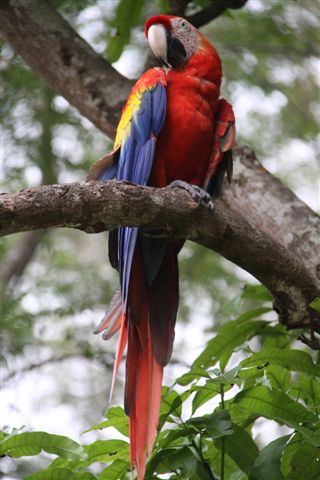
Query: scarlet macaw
[173, 127]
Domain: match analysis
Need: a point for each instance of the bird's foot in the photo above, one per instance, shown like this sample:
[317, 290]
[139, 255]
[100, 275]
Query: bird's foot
[198, 194]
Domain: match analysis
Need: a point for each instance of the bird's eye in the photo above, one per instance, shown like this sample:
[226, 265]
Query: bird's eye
[184, 25]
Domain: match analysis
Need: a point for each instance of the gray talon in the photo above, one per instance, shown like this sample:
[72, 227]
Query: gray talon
[198, 194]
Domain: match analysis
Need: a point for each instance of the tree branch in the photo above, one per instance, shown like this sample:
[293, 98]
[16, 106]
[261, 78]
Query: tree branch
[52, 48]
[178, 7]
[217, 8]
[98, 206]
[273, 208]
[72, 68]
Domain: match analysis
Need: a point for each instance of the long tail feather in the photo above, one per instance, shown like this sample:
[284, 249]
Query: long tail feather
[111, 321]
[143, 373]
[146, 325]
[120, 349]
[144, 413]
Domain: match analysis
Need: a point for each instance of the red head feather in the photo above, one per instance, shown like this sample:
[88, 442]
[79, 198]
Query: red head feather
[162, 19]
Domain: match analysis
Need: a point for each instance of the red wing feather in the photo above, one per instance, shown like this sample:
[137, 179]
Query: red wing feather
[224, 139]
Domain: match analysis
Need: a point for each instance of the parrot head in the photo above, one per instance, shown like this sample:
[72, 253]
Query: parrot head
[179, 45]
[172, 39]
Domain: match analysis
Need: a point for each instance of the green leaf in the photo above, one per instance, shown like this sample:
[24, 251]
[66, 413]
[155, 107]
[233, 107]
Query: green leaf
[203, 472]
[170, 459]
[171, 404]
[60, 474]
[292, 446]
[312, 436]
[238, 476]
[116, 471]
[212, 454]
[169, 437]
[127, 16]
[305, 462]
[308, 389]
[193, 374]
[295, 360]
[278, 377]
[204, 394]
[217, 424]
[115, 418]
[213, 386]
[108, 450]
[253, 372]
[315, 304]
[276, 336]
[229, 337]
[256, 292]
[31, 443]
[240, 447]
[275, 405]
[267, 464]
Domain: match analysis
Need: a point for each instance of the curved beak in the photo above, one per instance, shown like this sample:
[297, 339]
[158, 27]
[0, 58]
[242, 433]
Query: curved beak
[166, 46]
[157, 38]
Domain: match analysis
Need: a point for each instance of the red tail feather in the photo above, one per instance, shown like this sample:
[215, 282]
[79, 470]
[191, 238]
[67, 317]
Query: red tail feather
[145, 386]
[143, 374]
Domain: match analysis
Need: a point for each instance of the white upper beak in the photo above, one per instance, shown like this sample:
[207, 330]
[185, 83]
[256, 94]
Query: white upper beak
[158, 41]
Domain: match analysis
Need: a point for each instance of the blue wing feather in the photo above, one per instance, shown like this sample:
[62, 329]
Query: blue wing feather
[108, 174]
[135, 164]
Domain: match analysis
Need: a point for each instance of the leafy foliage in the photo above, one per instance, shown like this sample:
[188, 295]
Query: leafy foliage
[218, 443]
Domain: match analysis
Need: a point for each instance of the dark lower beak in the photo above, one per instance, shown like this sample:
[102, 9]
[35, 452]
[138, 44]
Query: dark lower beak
[176, 54]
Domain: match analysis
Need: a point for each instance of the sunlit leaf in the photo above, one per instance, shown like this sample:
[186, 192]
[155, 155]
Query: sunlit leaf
[279, 377]
[205, 393]
[308, 389]
[115, 418]
[127, 16]
[60, 474]
[116, 471]
[256, 292]
[229, 337]
[171, 404]
[295, 360]
[276, 405]
[108, 450]
[31, 443]
[193, 374]
[315, 304]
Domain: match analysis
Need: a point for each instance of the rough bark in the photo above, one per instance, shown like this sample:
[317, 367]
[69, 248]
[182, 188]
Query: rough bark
[52, 48]
[273, 208]
[98, 206]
